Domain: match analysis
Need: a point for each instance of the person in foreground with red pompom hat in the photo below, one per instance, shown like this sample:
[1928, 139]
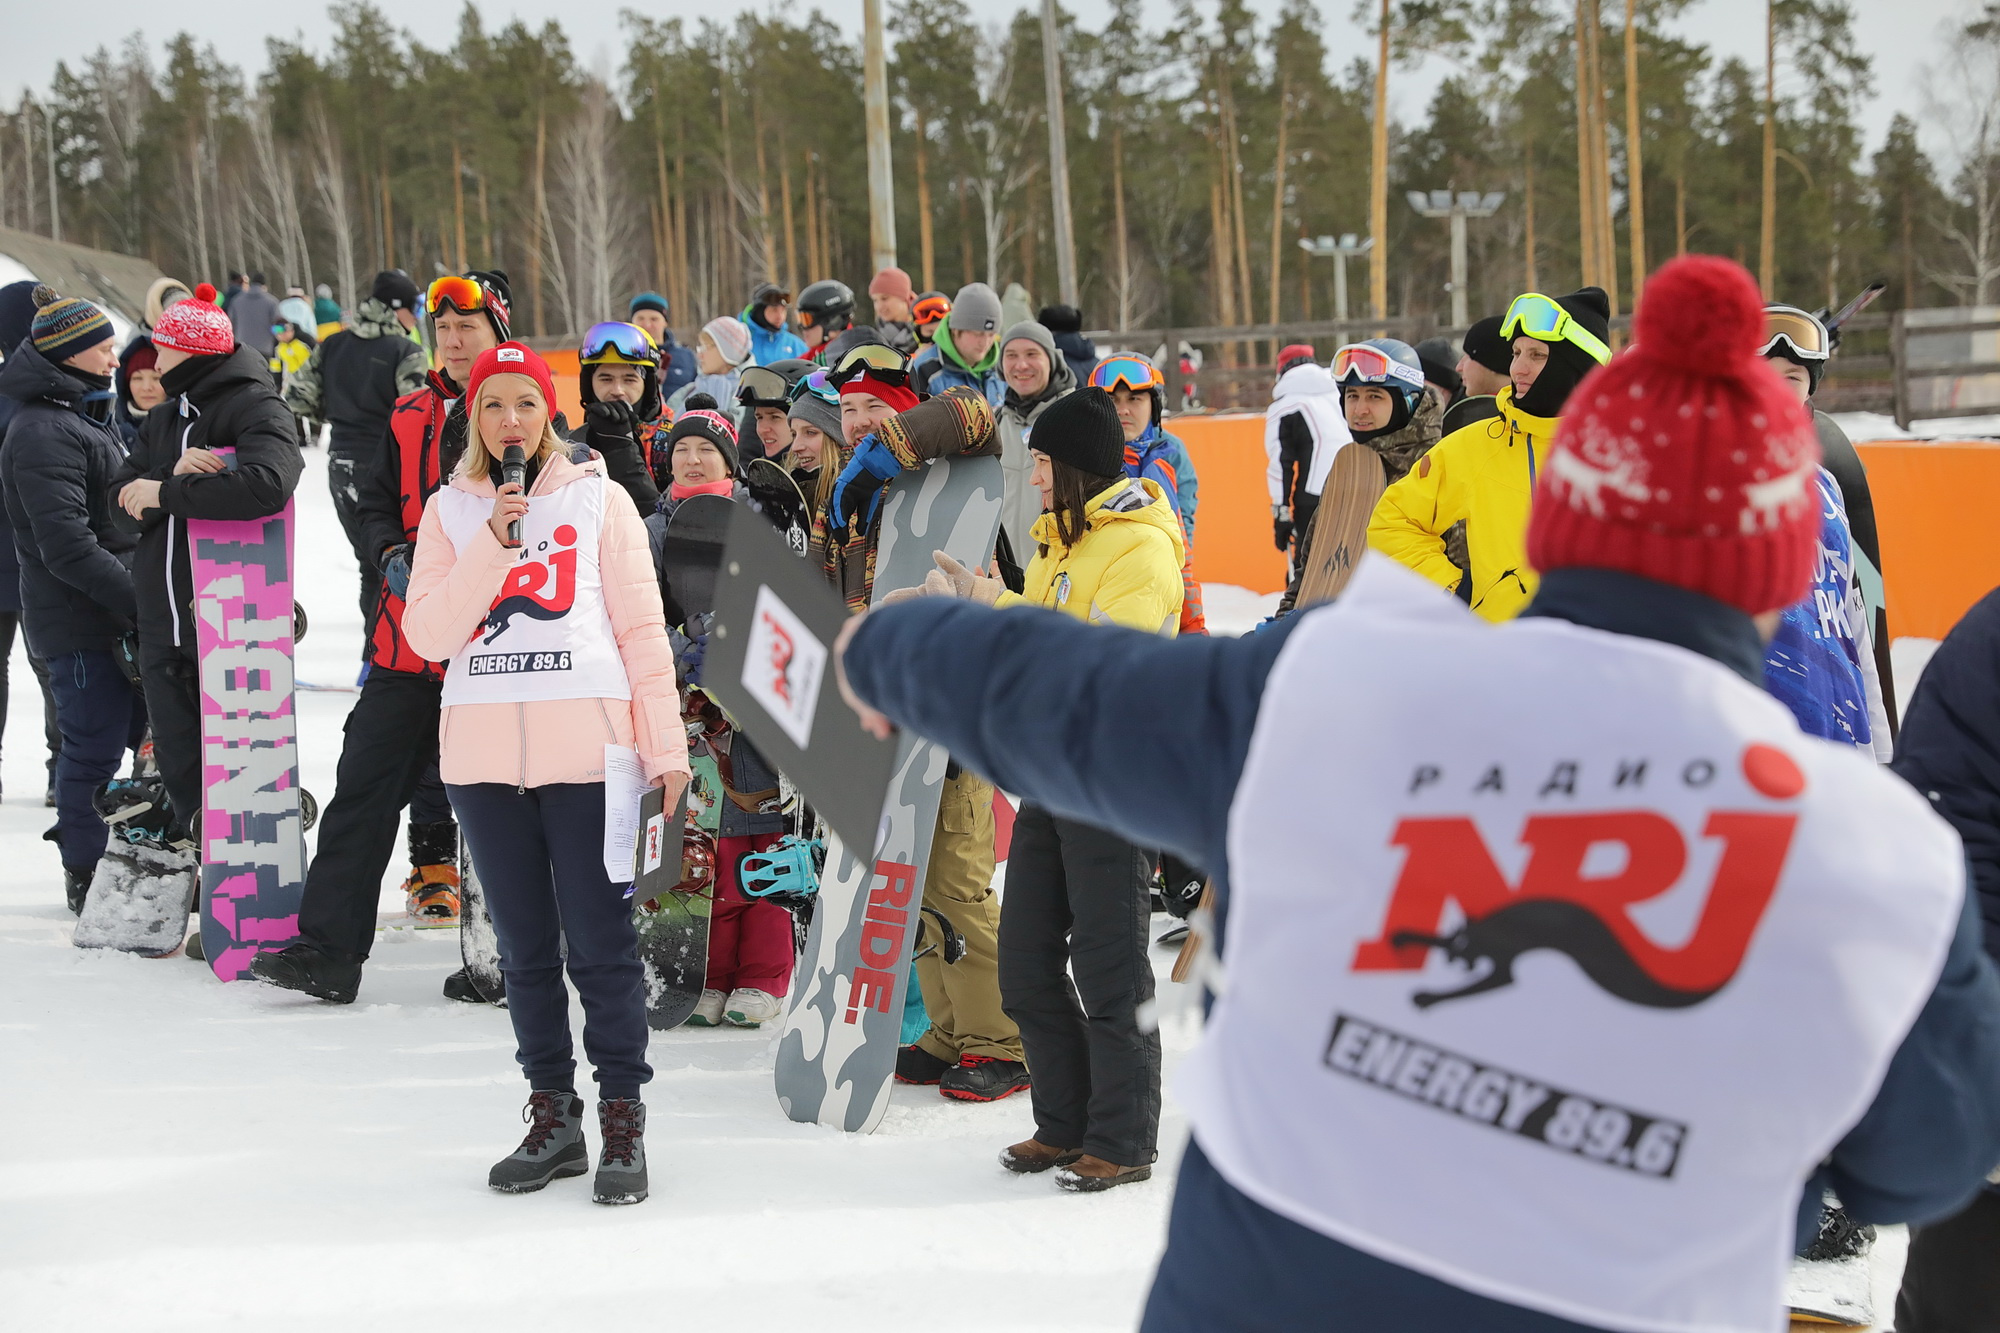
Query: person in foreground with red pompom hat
[1605, 969]
[219, 395]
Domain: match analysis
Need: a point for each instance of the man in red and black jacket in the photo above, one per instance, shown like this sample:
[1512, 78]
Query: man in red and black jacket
[389, 759]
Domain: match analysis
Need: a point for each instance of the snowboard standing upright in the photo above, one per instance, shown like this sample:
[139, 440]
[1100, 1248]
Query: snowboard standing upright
[837, 1057]
[252, 831]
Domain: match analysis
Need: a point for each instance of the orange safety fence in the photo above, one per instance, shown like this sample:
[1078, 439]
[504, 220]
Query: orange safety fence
[1933, 504]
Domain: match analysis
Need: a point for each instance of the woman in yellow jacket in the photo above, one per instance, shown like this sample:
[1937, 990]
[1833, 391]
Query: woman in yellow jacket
[1108, 551]
[1484, 473]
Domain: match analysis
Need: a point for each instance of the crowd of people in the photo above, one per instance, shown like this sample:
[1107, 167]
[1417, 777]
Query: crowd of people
[1680, 553]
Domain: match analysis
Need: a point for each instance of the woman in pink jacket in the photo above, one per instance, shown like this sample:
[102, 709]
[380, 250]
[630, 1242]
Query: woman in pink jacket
[557, 652]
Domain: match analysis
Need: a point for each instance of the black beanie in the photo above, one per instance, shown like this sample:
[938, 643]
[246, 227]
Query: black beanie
[1590, 307]
[395, 289]
[1486, 347]
[1082, 430]
[1440, 364]
[701, 416]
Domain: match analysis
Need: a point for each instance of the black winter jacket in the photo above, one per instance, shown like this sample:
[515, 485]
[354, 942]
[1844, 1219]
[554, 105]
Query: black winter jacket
[232, 405]
[57, 469]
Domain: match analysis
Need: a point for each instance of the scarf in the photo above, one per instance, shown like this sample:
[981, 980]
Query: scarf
[725, 487]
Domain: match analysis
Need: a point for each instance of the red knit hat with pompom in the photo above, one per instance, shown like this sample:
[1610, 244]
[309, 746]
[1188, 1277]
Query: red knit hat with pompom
[196, 325]
[1686, 459]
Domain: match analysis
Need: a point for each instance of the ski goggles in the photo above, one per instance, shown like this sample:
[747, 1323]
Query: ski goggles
[820, 385]
[465, 295]
[761, 386]
[931, 309]
[1128, 370]
[1789, 330]
[618, 344]
[1541, 318]
[877, 361]
[1359, 363]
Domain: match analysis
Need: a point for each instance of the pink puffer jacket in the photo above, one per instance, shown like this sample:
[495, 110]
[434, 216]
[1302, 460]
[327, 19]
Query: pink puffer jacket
[543, 743]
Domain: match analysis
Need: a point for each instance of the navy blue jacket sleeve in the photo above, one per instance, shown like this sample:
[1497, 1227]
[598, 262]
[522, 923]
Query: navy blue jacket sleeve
[1132, 732]
[1949, 749]
[1933, 1131]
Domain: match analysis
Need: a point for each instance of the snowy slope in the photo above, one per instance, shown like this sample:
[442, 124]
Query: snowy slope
[194, 1155]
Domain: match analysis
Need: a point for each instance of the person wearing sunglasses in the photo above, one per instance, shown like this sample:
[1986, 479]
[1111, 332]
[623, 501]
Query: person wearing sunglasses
[1139, 397]
[764, 316]
[1483, 474]
[353, 381]
[965, 349]
[926, 314]
[388, 756]
[618, 383]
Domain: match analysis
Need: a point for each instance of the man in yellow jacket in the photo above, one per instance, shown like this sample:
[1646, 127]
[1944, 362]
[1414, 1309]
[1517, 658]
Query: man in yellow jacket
[1484, 473]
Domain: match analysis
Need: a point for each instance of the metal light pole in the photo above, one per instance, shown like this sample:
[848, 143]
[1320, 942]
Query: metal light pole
[1340, 250]
[55, 195]
[1058, 157]
[875, 104]
[1459, 207]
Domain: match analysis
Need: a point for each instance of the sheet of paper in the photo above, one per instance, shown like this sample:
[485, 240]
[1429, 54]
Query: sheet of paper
[624, 787]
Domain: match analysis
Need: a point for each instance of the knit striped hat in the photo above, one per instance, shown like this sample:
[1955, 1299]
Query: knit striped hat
[66, 325]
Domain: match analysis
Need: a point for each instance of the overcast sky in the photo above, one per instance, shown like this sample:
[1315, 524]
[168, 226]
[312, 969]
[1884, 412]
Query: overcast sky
[1902, 35]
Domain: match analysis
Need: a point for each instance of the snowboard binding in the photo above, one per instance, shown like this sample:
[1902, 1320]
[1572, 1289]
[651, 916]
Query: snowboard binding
[952, 944]
[137, 811]
[785, 873]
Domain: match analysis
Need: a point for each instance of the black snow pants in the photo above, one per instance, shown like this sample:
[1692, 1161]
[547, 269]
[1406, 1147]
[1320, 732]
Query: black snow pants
[1951, 1281]
[391, 744]
[172, 676]
[1078, 899]
[343, 479]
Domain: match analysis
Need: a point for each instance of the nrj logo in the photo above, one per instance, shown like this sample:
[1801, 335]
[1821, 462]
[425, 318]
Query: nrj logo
[783, 664]
[1557, 905]
[540, 587]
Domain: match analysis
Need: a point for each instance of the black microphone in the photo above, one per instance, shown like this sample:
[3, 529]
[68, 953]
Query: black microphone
[514, 472]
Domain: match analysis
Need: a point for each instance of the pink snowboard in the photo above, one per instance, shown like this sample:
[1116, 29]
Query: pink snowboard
[253, 855]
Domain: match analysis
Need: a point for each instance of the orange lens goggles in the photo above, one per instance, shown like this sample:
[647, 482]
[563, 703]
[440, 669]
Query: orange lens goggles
[462, 294]
[930, 310]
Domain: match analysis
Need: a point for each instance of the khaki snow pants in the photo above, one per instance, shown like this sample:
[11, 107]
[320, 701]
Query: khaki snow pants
[963, 998]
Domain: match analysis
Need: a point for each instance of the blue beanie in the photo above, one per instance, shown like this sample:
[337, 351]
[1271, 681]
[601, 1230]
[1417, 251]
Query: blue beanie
[650, 301]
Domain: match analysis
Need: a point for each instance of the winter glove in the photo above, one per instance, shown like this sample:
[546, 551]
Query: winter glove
[860, 482]
[608, 416]
[1281, 526]
[396, 570]
[973, 585]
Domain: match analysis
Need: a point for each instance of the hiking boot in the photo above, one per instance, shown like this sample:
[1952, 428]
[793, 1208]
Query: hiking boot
[708, 1010]
[554, 1147]
[621, 1167]
[301, 967]
[916, 1065]
[76, 887]
[431, 894]
[981, 1078]
[1089, 1175]
[1032, 1155]
[748, 1007]
[458, 986]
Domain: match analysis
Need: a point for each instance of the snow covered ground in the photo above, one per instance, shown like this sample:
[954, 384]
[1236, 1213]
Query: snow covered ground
[194, 1155]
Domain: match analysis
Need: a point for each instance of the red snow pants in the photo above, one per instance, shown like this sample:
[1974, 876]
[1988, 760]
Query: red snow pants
[749, 941]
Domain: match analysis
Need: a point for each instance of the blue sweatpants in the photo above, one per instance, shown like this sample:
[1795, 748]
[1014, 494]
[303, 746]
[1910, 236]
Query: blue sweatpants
[101, 716]
[539, 855]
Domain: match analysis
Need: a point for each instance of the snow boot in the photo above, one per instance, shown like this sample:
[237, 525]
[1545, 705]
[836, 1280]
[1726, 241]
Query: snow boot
[621, 1167]
[554, 1146]
[981, 1078]
[748, 1007]
[195, 948]
[432, 888]
[76, 887]
[708, 1010]
[302, 968]
[1030, 1156]
[458, 986]
[916, 1065]
[1091, 1175]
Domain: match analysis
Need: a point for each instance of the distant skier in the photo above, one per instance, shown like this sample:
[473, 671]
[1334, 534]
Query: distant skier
[1303, 430]
[1538, 1153]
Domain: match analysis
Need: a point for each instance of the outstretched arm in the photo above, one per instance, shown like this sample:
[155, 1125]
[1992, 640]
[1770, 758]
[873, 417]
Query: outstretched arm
[1142, 735]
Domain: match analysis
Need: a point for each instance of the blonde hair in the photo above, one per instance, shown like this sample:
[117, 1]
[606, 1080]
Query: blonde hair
[470, 467]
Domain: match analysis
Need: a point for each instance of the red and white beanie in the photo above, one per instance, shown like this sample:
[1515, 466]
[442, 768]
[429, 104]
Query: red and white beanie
[1686, 459]
[197, 326]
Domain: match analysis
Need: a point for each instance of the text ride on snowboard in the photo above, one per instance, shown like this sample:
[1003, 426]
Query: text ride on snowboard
[252, 836]
[838, 1052]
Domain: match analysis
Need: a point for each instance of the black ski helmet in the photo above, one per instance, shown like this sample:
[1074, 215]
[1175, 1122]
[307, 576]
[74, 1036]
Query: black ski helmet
[827, 305]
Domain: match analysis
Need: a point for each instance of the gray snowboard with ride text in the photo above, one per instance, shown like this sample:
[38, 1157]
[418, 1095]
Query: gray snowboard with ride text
[837, 1058]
